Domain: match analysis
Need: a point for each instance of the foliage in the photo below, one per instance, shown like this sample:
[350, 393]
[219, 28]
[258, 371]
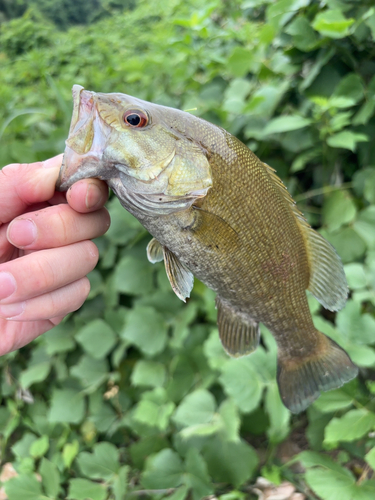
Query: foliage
[134, 392]
[63, 13]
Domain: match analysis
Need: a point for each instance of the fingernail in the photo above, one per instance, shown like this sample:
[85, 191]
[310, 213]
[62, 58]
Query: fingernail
[53, 162]
[22, 232]
[8, 285]
[11, 311]
[93, 196]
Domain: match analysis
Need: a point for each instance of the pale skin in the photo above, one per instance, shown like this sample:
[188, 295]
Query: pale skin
[45, 248]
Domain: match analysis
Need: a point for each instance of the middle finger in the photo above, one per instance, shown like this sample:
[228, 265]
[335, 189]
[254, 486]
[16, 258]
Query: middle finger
[56, 226]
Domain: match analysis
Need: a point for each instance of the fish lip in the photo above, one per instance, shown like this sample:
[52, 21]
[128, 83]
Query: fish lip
[68, 175]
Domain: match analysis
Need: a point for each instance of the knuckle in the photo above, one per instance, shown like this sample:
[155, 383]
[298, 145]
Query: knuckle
[83, 286]
[92, 252]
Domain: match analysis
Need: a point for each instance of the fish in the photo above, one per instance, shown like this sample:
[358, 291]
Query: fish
[217, 212]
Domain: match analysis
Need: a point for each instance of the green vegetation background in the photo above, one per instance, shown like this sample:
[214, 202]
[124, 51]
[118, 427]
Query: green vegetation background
[134, 392]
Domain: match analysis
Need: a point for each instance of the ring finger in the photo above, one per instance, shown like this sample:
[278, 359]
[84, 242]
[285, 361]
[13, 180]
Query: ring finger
[44, 271]
[56, 303]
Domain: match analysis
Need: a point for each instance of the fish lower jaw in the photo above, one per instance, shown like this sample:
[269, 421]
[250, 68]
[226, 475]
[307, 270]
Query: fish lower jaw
[76, 167]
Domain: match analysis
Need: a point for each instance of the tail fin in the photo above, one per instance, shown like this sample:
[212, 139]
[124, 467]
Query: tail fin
[301, 380]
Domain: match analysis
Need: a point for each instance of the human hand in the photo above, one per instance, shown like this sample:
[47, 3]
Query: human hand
[45, 252]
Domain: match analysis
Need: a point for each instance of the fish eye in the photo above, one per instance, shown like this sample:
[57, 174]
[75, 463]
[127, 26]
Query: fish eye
[135, 118]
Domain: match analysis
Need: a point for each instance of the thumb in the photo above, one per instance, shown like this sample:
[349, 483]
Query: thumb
[24, 184]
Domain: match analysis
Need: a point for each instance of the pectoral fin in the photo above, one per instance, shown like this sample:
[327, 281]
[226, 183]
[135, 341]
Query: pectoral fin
[238, 332]
[180, 278]
[155, 251]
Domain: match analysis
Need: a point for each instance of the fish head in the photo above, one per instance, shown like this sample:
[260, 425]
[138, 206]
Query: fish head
[143, 150]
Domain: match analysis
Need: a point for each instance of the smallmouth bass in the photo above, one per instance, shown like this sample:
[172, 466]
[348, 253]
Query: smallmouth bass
[217, 212]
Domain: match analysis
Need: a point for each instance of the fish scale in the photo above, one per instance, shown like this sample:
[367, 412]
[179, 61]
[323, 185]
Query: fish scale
[217, 212]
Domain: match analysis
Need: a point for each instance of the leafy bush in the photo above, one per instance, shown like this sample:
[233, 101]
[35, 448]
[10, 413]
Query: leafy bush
[134, 392]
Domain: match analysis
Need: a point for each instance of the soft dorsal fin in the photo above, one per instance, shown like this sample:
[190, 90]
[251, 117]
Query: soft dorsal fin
[180, 278]
[238, 333]
[155, 251]
[327, 278]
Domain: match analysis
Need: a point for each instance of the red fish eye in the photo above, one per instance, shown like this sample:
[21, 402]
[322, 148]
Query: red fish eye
[135, 118]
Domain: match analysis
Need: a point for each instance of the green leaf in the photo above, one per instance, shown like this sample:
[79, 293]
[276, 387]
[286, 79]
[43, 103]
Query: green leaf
[59, 339]
[356, 275]
[97, 338]
[90, 372]
[67, 406]
[370, 458]
[338, 209]
[21, 448]
[39, 447]
[333, 400]
[214, 352]
[346, 140]
[231, 420]
[365, 225]
[354, 325]
[50, 477]
[241, 382]
[120, 482]
[353, 425]
[332, 23]
[148, 373]
[351, 86]
[124, 227]
[83, 489]
[103, 463]
[22, 487]
[153, 414]
[163, 470]
[364, 184]
[134, 276]
[230, 462]
[313, 459]
[70, 451]
[36, 373]
[235, 95]
[197, 407]
[331, 485]
[239, 61]
[285, 124]
[146, 329]
[347, 242]
[197, 477]
[304, 37]
[277, 413]
[279, 13]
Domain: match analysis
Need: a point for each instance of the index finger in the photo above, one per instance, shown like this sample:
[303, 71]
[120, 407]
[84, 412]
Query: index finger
[23, 184]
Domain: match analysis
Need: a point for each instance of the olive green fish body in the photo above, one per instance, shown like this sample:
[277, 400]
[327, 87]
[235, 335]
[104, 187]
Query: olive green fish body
[217, 212]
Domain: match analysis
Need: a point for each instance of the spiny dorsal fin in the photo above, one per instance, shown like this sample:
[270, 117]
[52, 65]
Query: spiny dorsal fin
[180, 278]
[155, 251]
[327, 278]
[238, 333]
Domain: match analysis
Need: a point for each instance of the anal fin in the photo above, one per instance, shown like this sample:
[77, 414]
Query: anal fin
[239, 333]
[301, 379]
[180, 278]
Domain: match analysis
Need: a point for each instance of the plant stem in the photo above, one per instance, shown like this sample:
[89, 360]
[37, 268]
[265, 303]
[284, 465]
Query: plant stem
[322, 190]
